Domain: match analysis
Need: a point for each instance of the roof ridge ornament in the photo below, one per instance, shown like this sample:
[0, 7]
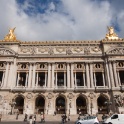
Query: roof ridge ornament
[111, 35]
[11, 36]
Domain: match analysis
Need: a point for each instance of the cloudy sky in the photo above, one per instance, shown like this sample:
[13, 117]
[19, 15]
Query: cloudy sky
[40, 20]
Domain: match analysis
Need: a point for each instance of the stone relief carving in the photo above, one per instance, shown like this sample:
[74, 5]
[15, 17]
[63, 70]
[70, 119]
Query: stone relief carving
[41, 66]
[42, 49]
[116, 51]
[70, 95]
[23, 66]
[2, 65]
[60, 49]
[51, 51]
[29, 96]
[119, 100]
[78, 49]
[87, 50]
[96, 49]
[78, 66]
[25, 49]
[69, 51]
[6, 52]
[49, 95]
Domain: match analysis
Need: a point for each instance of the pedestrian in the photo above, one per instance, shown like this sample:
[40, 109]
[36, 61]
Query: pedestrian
[0, 117]
[42, 117]
[30, 119]
[17, 114]
[34, 119]
[68, 117]
[65, 117]
[54, 112]
[26, 116]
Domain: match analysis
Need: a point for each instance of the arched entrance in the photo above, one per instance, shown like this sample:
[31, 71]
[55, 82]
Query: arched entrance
[81, 105]
[39, 104]
[102, 108]
[60, 105]
[19, 104]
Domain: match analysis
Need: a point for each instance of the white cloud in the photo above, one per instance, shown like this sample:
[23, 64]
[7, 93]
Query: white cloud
[75, 20]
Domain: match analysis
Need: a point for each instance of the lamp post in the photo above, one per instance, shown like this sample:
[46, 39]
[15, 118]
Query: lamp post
[12, 104]
[108, 103]
[91, 95]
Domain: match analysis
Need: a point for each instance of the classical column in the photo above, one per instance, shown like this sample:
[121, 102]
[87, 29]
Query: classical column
[75, 81]
[64, 79]
[30, 75]
[53, 75]
[18, 76]
[107, 74]
[115, 74]
[103, 79]
[10, 75]
[49, 75]
[6, 74]
[37, 75]
[119, 82]
[94, 78]
[68, 76]
[91, 75]
[34, 74]
[56, 79]
[111, 74]
[45, 78]
[26, 81]
[87, 76]
[84, 79]
[72, 75]
[3, 78]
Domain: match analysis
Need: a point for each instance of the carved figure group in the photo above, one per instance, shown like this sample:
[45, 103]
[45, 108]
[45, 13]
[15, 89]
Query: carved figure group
[11, 35]
[111, 33]
[119, 100]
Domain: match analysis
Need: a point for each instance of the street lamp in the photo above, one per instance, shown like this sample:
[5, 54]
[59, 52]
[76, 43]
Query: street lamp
[12, 104]
[91, 95]
[108, 103]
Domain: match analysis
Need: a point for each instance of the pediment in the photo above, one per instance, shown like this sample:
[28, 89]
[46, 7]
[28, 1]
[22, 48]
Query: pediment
[6, 52]
[116, 51]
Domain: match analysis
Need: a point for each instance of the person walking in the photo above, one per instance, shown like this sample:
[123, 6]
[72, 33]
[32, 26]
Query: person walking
[30, 119]
[68, 117]
[0, 117]
[34, 119]
[26, 116]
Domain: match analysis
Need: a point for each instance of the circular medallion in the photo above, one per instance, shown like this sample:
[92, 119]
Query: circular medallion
[50, 95]
[29, 95]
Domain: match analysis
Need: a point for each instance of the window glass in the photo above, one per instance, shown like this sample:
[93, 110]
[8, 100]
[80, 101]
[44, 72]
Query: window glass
[114, 117]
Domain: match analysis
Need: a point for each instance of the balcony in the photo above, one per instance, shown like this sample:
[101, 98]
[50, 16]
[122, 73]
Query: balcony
[101, 88]
[19, 88]
[60, 88]
[39, 88]
[80, 88]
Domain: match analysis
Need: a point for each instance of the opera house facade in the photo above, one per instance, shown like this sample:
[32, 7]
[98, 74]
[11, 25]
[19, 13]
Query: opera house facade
[62, 76]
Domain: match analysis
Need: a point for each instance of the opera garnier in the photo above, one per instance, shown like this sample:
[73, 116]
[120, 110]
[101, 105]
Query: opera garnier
[62, 76]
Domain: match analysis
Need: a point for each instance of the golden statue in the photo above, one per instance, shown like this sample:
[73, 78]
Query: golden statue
[111, 35]
[11, 35]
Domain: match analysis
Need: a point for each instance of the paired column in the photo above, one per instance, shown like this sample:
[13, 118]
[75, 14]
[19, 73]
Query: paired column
[72, 75]
[91, 75]
[33, 76]
[111, 74]
[87, 75]
[53, 75]
[6, 74]
[30, 75]
[68, 75]
[49, 75]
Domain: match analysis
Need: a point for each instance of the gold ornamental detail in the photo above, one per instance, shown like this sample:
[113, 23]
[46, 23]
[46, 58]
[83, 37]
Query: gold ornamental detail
[111, 34]
[11, 36]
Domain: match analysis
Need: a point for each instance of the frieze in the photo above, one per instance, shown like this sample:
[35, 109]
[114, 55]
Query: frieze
[42, 49]
[69, 51]
[116, 51]
[6, 52]
[78, 49]
[60, 49]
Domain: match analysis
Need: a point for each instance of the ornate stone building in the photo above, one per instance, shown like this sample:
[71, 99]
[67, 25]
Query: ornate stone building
[62, 76]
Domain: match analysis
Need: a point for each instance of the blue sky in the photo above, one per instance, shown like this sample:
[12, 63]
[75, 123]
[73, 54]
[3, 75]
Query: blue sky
[41, 20]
